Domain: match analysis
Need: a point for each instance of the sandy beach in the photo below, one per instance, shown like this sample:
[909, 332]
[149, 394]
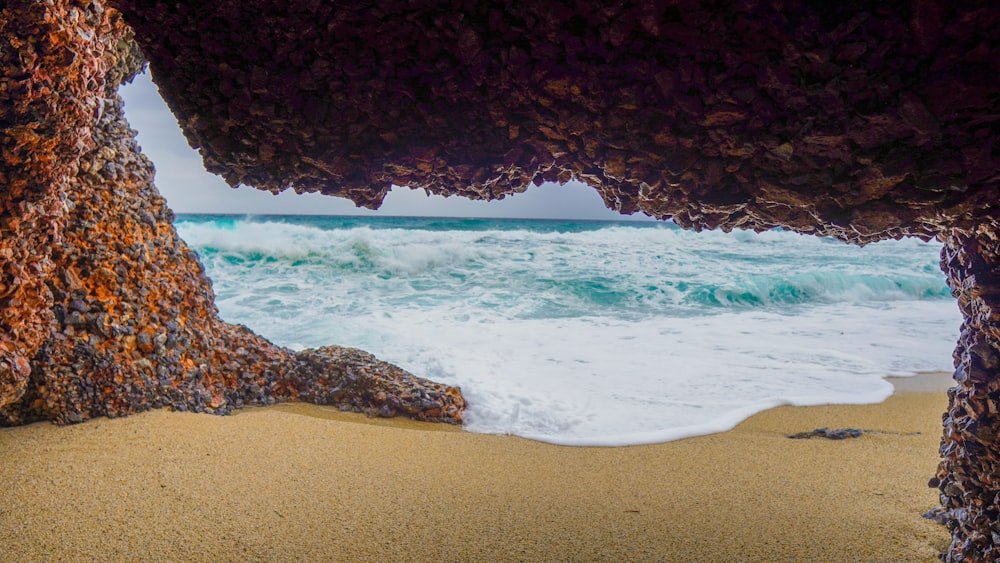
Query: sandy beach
[305, 483]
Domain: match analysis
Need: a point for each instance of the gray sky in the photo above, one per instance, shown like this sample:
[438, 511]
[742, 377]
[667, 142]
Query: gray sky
[188, 188]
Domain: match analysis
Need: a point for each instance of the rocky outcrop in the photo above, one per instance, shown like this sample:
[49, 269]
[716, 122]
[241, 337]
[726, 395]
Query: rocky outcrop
[135, 326]
[835, 118]
[105, 310]
[849, 119]
[970, 448]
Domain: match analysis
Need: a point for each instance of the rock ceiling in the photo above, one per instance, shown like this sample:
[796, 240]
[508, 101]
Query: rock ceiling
[834, 118]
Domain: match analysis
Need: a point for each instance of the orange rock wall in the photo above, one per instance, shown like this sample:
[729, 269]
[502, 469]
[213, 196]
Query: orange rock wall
[52, 68]
[134, 323]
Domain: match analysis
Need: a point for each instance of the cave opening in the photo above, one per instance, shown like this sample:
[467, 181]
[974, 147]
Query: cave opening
[685, 321]
[860, 123]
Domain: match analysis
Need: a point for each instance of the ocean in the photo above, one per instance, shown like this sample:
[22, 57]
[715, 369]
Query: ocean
[591, 332]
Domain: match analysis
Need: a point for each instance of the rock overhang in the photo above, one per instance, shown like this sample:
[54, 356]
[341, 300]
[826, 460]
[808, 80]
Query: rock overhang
[852, 120]
[847, 119]
[104, 311]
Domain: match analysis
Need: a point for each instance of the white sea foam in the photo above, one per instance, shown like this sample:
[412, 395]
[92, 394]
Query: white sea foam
[596, 381]
[601, 336]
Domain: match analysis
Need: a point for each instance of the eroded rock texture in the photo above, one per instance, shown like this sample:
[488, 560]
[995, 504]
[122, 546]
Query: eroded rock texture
[52, 64]
[853, 119]
[105, 311]
[969, 473]
[835, 118]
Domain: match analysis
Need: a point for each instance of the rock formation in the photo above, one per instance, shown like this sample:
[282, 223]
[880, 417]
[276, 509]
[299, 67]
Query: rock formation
[105, 310]
[849, 119]
[968, 473]
[839, 120]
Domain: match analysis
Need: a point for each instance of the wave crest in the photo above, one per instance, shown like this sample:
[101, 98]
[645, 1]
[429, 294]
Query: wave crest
[623, 271]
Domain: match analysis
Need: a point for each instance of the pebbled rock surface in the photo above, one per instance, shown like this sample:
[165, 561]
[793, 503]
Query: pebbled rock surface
[970, 448]
[135, 326]
[105, 310]
[52, 69]
[841, 118]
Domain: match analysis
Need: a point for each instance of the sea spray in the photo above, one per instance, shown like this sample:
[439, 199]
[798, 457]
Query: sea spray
[591, 333]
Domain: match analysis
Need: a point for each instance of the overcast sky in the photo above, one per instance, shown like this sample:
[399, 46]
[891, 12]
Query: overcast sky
[188, 188]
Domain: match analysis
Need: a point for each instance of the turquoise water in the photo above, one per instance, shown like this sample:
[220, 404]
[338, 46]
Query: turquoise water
[587, 332]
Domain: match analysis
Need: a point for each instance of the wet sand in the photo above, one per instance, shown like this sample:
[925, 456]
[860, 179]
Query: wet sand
[304, 483]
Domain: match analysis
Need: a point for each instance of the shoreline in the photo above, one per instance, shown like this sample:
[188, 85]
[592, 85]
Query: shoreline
[294, 482]
[921, 382]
